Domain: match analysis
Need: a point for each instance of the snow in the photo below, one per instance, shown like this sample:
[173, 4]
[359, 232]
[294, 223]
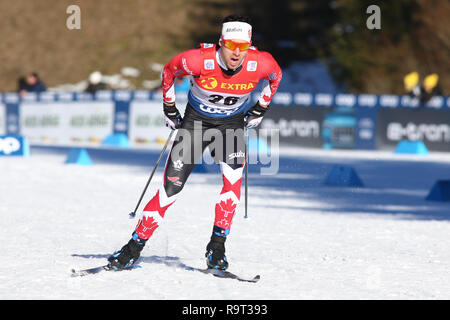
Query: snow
[306, 240]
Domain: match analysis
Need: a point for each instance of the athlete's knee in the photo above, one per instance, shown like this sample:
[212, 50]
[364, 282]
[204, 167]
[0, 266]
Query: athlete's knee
[232, 177]
[236, 165]
[173, 186]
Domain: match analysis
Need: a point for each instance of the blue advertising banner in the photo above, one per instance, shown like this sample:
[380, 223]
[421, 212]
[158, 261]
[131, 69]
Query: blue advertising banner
[342, 120]
[11, 145]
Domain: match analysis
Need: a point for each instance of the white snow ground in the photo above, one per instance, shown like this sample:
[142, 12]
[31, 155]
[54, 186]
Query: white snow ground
[306, 240]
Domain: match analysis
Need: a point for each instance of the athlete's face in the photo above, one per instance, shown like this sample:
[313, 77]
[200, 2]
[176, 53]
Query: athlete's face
[232, 58]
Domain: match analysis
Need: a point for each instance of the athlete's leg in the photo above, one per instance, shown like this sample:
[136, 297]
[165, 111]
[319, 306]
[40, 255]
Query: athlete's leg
[231, 165]
[179, 165]
[184, 155]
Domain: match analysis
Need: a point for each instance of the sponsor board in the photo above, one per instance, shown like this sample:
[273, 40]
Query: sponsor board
[2, 119]
[69, 118]
[432, 127]
[66, 123]
[297, 126]
[146, 123]
[11, 145]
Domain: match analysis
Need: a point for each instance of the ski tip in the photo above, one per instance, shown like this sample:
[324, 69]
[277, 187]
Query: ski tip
[73, 272]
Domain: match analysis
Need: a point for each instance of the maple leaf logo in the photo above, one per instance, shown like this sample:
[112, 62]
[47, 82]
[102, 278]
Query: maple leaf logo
[227, 207]
[146, 227]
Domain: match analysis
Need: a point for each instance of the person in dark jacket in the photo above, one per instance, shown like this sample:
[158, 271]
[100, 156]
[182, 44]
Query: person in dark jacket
[430, 87]
[32, 84]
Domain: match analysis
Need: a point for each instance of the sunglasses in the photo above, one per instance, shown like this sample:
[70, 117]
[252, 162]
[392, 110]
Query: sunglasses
[233, 45]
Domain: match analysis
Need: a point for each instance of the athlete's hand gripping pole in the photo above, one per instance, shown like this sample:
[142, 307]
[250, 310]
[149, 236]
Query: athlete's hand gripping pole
[133, 214]
[172, 116]
[254, 115]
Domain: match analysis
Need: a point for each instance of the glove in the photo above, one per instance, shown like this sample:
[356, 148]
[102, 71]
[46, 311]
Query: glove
[172, 116]
[254, 116]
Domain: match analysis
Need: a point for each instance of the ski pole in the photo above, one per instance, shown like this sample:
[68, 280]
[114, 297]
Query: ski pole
[133, 214]
[246, 171]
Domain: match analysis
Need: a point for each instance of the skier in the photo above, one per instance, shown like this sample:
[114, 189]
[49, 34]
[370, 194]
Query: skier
[221, 80]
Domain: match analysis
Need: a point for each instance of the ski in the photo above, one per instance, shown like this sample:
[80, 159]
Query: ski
[215, 272]
[225, 274]
[85, 272]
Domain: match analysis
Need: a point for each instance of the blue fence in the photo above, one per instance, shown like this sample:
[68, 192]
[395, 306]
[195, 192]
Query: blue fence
[366, 108]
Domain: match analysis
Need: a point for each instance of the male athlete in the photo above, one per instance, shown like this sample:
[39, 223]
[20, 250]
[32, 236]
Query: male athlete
[222, 79]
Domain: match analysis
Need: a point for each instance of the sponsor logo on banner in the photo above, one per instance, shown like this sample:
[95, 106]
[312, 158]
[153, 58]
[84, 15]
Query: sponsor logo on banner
[411, 131]
[2, 119]
[430, 126]
[304, 99]
[367, 100]
[282, 98]
[366, 128]
[66, 122]
[297, 126]
[324, 99]
[8, 145]
[293, 128]
[436, 102]
[390, 101]
[411, 102]
[146, 125]
[345, 100]
[13, 145]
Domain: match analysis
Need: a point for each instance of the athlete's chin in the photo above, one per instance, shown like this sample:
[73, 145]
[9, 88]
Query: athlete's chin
[233, 64]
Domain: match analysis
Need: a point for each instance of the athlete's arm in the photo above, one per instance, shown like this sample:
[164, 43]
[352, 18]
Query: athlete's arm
[271, 74]
[186, 63]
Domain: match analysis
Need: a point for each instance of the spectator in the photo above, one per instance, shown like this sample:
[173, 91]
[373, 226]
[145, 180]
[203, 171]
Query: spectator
[21, 84]
[430, 88]
[411, 83]
[32, 84]
[95, 82]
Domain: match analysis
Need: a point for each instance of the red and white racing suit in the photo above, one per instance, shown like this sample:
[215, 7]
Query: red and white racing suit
[219, 99]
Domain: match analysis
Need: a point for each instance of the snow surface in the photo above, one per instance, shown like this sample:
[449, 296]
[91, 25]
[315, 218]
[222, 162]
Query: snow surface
[306, 240]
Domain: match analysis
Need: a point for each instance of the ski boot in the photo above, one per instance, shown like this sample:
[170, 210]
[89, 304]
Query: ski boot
[215, 251]
[127, 256]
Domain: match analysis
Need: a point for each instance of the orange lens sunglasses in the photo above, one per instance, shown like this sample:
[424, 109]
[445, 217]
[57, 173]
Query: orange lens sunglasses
[233, 45]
